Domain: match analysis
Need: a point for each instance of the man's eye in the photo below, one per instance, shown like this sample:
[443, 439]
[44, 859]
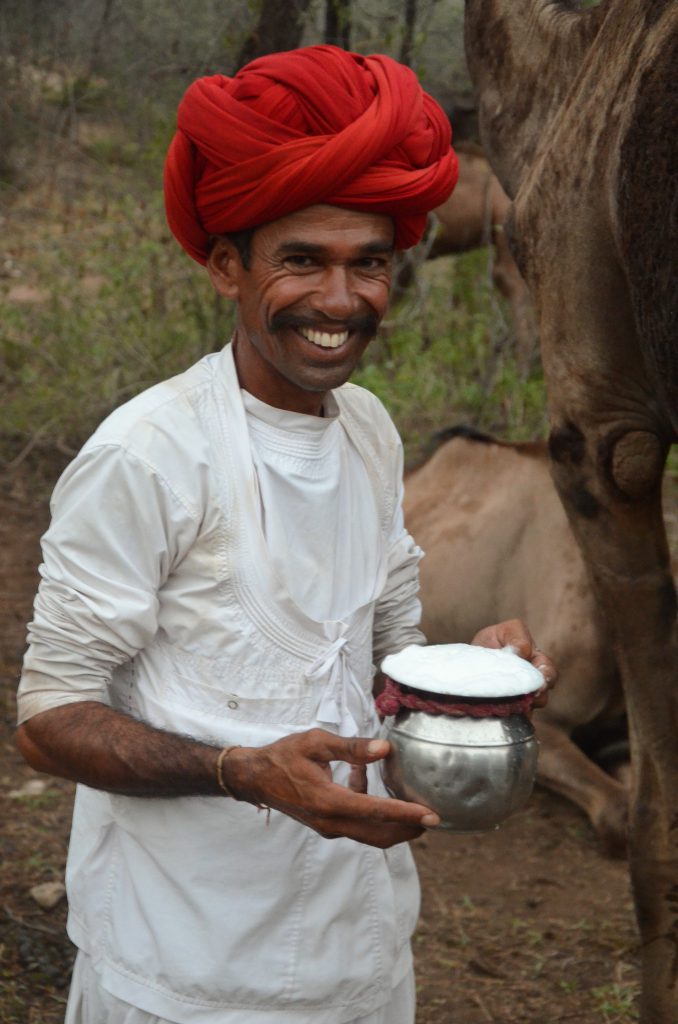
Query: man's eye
[300, 261]
[374, 263]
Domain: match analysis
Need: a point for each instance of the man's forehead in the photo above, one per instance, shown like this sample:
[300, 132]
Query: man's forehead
[321, 226]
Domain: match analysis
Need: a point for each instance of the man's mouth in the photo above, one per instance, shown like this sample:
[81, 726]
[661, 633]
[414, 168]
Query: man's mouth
[316, 333]
[324, 339]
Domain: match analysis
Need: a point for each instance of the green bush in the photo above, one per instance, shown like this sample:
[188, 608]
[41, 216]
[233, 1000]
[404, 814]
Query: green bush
[446, 356]
[123, 307]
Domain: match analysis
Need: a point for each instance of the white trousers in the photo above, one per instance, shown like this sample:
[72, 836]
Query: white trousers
[89, 1003]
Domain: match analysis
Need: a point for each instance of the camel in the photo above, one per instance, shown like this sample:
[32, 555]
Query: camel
[472, 217]
[498, 546]
[578, 117]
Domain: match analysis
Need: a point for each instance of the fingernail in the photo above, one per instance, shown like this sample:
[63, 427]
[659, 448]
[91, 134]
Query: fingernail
[377, 747]
[430, 820]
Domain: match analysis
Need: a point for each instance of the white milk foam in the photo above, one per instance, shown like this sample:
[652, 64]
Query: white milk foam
[463, 670]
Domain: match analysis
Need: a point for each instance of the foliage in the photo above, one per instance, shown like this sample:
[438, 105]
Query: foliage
[446, 356]
[116, 308]
[112, 304]
[129, 61]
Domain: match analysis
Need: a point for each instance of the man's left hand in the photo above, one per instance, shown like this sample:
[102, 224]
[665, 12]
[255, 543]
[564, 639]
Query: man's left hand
[515, 634]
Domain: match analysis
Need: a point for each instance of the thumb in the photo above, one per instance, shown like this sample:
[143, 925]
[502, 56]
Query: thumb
[360, 751]
[371, 750]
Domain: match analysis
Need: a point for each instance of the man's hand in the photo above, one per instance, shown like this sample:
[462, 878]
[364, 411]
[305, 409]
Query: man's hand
[91, 743]
[293, 775]
[515, 634]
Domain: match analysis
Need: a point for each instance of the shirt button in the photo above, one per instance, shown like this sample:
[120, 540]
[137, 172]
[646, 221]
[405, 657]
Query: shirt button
[232, 703]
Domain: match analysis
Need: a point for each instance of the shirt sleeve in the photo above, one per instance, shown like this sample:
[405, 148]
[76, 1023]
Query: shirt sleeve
[398, 609]
[117, 529]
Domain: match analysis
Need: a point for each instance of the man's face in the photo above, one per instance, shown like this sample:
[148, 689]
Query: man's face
[312, 300]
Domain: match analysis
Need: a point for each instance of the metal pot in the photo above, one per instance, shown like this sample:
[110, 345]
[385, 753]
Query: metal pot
[474, 772]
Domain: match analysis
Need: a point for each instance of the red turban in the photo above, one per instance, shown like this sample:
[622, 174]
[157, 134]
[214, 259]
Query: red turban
[317, 125]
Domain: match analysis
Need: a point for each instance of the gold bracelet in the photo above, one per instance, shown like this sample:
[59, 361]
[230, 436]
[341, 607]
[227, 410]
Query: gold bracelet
[223, 754]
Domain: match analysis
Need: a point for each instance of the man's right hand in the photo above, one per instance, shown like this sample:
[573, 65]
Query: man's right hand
[103, 748]
[294, 775]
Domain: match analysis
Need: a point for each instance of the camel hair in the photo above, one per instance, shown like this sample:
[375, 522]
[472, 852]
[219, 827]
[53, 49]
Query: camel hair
[579, 118]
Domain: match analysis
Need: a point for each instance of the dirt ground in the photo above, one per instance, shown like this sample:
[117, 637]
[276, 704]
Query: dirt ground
[526, 924]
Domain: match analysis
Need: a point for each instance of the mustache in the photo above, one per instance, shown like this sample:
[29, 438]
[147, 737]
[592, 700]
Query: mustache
[367, 323]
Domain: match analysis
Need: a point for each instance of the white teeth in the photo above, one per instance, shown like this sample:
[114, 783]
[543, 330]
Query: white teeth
[323, 339]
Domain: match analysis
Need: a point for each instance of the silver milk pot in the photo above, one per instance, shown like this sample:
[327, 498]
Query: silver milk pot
[473, 772]
[476, 766]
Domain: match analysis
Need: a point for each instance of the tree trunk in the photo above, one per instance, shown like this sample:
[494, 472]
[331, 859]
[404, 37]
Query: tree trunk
[409, 25]
[280, 27]
[99, 38]
[338, 23]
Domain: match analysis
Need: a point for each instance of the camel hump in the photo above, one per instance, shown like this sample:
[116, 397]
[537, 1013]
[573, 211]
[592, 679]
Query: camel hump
[536, 448]
[460, 430]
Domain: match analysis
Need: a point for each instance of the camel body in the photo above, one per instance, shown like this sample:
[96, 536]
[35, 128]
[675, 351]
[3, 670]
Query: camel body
[578, 116]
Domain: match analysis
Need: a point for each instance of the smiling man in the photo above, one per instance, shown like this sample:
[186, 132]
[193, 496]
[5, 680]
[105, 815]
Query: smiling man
[309, 304]
[226, 563]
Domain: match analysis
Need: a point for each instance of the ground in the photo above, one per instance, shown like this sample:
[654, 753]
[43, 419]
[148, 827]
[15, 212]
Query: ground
[530, 923]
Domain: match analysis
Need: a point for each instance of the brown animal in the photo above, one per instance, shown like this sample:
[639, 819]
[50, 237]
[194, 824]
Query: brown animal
[499, 546]
[472, 217]
[579, 119]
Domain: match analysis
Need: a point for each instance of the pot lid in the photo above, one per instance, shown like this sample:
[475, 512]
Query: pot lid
[463, 670]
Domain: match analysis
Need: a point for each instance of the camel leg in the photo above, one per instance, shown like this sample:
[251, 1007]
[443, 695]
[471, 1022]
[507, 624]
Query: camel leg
[609, 441]
[509, 282]
[565, 769]
[609, 480]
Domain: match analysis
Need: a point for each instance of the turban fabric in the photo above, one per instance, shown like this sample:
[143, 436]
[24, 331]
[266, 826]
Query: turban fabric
[316, 125]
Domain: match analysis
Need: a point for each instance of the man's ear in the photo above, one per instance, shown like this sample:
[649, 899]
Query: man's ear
[225, 268]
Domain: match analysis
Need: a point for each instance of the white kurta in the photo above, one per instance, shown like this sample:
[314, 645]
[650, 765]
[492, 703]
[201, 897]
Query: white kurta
[314, 490]
[162, 595]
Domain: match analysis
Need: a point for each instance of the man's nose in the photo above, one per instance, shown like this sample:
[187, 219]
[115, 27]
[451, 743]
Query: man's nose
[337, 295]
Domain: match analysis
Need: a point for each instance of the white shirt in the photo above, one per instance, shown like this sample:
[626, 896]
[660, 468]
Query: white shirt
[161, 596]
[313, 492]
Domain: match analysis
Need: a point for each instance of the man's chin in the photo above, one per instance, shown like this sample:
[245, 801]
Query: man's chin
[324, 381]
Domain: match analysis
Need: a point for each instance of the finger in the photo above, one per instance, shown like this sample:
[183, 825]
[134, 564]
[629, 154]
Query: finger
[334, 803]
[357, 778]
[513, 633]
[545, 666]
[375, 833]
[516, 635]
[326, 746]
[379, 835]
[540, 699]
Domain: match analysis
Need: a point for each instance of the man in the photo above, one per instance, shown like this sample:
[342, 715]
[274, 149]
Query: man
[226, 563]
